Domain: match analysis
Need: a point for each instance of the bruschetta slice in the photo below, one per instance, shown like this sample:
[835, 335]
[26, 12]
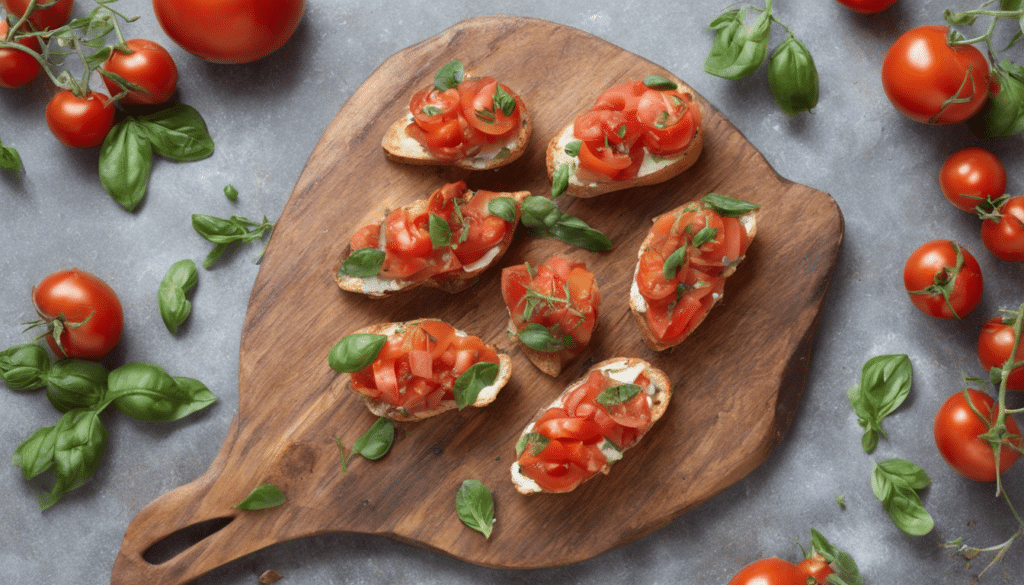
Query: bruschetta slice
[444, 241]
[637, 133]
[475, 123]
[552, 310]
[682, 265]
[418, 369]
[589, 426]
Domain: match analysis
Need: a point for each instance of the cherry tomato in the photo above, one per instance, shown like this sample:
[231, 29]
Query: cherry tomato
[816, 567]
[149, 66]
[866, 7]
[921, 73]
[17, 68]
[995, 342]
[46, 19]
[80, 122]
[970, 176]
[1003, 231]
[83, 314]
[956, 430]
[229, 31]
[770, 571]
[943, 279]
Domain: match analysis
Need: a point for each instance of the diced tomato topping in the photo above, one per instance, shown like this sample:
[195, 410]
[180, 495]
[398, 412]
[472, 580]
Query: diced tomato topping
[453, 124]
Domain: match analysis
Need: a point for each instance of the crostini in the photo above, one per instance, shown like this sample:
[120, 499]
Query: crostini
[552, 310]
[586, 429]
[418, 369]
[637, 133]
[444, 241]
[682, 265]
[470, 122]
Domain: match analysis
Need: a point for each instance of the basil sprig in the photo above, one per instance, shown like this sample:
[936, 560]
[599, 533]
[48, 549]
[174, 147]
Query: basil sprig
[846, 570]
[147, 392]
[9, 158]
[266, 496]
[467, 386]
[363, 263]
[355, 352]
[475, 506]
[174, 305]
[884, 384]
[373, 444]
[542, 219]
[24, 367]
[73, 383]
[728, 206]
[450, 75]
[224, 232]
[176, 133]
[895, 483]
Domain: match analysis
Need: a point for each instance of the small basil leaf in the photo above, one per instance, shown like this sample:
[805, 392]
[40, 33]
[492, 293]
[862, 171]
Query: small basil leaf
[180, 279]
[377, 440]
[178, 133]
[659, 82]
[673, 263]
[217, 229]
[355, 352]
[9, 158]
[573, 148]
[266, 496]
[538, 337]
[475, 506]
[573, 230]
[728, 206]
[704, 236]
[23, 367]
[895, 483]
[504, 101]
[1003, 112]
[440, 231]
[560, 179]
[231, 192]
[792, 77]
[535, 441]
[126, 159]
[468, 385]
[450, 75]
[503, 207]
[74, 383]
[363, 263]
[738, 49]
[147, 392]
[620, 394]
[884, 385]
[539, 214]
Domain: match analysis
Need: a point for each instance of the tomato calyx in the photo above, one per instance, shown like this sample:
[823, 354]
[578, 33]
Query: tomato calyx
[945, 280]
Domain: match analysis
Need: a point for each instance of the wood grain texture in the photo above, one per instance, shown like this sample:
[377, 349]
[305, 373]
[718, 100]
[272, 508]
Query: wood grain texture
[737, 380]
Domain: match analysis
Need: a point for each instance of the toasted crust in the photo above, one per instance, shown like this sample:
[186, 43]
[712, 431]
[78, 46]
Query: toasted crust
[400, 147]
[486, 396]
[662, 393]
[655, 170]
[451, 282]
[638, 306]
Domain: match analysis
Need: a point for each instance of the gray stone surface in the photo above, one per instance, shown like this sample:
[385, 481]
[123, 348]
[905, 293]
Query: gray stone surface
[266, 117]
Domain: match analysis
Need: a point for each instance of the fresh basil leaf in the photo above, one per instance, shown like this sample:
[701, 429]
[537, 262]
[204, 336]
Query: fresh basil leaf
[573, 230]
[450, 75]
[792, 77]
[738, 49]
[23, 367]
[503, 207]
[884, 384]
[440, 231]
[231, 192]
[705, 235]
[573, 148]
[846, 570]
[363, 263]
[504, 101]
[9, 158]
[475, 506]
[178, 133]
[535, 441]
[73, 383]
[266, 496]
[468, 385]
[659, 82]
[377, 440]
[355, 352]
[728, 206]
[895, 483]
[218, 229]
[1003, 112]
[673, 263]
[620, 394]
[539, 214]
[147, 392]
[538, 337]
[126, 159]
[180, 279]
[560, 179]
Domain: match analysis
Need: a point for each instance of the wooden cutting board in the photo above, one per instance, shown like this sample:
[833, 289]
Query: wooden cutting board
[737, 380]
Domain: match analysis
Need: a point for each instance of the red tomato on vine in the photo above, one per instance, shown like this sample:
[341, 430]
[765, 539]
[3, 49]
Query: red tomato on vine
[930, 81]
[1002, 230]
[80, 122]
[147, 65]
[957, 429]
[50, 18]
[82, 313]
[970, 176]
[995, 343]
[17, 68]
[770, 571]
[867, 6]
[943, 279]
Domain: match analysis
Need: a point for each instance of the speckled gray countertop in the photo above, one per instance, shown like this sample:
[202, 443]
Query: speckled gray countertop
[267, 116]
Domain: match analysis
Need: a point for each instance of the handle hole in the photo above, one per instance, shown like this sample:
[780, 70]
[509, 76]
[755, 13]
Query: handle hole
[181, 540]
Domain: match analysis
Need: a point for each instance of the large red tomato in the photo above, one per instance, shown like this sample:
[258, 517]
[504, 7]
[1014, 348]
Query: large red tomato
[17, 68]
[770, 571]
[943, 279]
[82, 312]
[81, 122]
[149, 66]
[929, 81]
[956, 430]
[229, 31]
[49, 18]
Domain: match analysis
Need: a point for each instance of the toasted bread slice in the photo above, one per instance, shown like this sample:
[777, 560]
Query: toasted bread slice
[626, 370]
[638, 305]
[487, 395]
[453, 281]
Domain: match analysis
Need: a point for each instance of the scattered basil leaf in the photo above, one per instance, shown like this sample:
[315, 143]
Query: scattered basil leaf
[673, 263]
[895, 483]
[535, 441]
[620, 394]
[538, 337]
[363, 263]
[376, 441]
[223, 232]
[884, 384]
[126, 159]
[846, 570]
[9, 158]
[738, 49]
[440, 231]
[355, 352]
[792, 77]
[23, 367]
[231, 192]
[659, 82]
[180, 279]
[450, 75]
[266, 496]
[539, 214]
[147, 392]
[503, 207]
[178, 133]
[73, 383]
[728, 206]
[467, 386]
[475, 506]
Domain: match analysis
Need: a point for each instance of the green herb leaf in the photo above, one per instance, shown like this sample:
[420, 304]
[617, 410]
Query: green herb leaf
[504, 101]
[538, 337]
[659, 82]
[884, 385]
[266, 496]
[573, 148]
[503, 207]
[792, 77]
[560, 179]
[573, 230]
[74, 383]
[147, 392]
[450, 75]
[376, 441]
[126, 159]
[846, 571]
[231, 192]
[363, 263]
[440, 231]
[9, 158]
[705, 235]
[178, 133]
[728, 206]
[475, 506]
[224, 232]
[24, 367]
[180, 279]
[468, 385]
[535, 441]
[673, 263]
[738, 49]
[355, 352]
[1003, 112]
[620, 394]
[895, 483]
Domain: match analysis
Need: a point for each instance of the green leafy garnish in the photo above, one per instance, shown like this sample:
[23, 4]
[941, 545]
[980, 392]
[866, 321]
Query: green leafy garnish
[266, 496]
[884, 384]
[475, 506]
